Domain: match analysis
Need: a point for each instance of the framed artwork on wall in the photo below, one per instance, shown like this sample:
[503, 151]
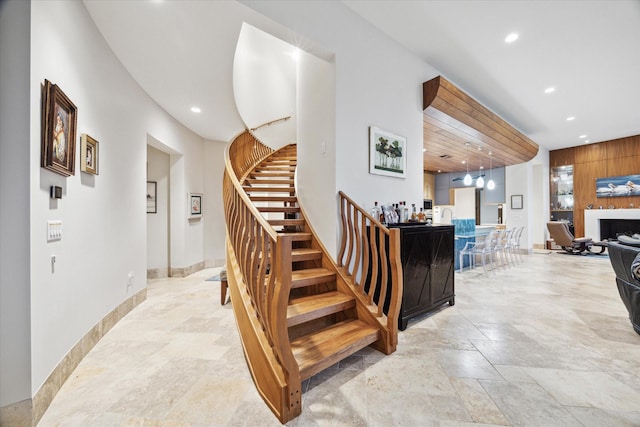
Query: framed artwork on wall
[516, 201]
[387, 153]
[59, 119]
[152, 197]
[195, 205]
[88, 154]
[618, 186]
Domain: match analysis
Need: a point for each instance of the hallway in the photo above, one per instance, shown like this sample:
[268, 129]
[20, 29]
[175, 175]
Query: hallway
[545, 343]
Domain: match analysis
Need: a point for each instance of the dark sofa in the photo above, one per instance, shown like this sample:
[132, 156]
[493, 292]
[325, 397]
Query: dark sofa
[625, 260]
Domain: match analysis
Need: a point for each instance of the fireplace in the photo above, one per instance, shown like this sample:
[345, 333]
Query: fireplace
[611, 228]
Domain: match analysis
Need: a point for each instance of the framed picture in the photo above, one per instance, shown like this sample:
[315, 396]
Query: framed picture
[516, 201]
[59, 118]
[88, 154]
[152, 197]
[618, 186]
[195, 205]
[387, 153]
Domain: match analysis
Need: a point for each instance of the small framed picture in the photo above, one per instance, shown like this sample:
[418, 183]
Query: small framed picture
[195, 205]
[59, 118]
[387, 153]
[88, 154]
[152, 197]
[516, 201]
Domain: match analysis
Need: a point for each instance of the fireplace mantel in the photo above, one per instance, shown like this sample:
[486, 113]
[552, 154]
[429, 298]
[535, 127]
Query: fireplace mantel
[592, 219]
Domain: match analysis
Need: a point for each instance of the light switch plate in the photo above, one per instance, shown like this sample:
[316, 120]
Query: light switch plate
[54, 230]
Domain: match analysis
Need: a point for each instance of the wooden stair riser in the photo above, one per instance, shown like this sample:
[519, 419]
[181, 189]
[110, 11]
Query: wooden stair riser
[290, 199]
[277, 209]
[318, 351]
[269, 181]
[271, 174]
[287, 222]
[311, 276]
[304, 309]
[250, 189]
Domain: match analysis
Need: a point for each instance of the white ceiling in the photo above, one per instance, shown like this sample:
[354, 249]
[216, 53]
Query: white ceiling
[181, 54]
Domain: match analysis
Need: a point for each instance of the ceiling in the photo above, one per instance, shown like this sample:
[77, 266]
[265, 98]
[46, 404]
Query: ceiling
[181, 54]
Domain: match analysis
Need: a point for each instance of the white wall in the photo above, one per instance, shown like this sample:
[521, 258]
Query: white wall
[518, 182]
[316, 147]
[264, 85]
[104, 216]
[158, 223]
[378, 83]
[15, 310]
[213, 210]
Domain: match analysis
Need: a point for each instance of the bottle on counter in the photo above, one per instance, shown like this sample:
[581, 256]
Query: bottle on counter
[421, 215]
[376, 211]
[414, 214]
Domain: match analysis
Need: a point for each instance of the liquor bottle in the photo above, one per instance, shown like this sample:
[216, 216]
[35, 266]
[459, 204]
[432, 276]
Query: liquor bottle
[376, 211]
[414, 214]
[405, 212]
[421, 215]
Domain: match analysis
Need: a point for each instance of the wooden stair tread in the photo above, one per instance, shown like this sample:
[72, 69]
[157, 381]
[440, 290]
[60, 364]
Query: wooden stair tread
[298, 236]
[311, 307]
[269, 181]
[270, 174]
[287, 221]
[274, 168]
[289, 209]
[317, 351]
[311, 276]
[305, 254]
[273, 198]
[248, 189]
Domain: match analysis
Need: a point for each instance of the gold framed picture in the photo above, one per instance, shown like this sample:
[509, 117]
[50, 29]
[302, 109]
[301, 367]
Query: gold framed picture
[89, 154]
[59, 119]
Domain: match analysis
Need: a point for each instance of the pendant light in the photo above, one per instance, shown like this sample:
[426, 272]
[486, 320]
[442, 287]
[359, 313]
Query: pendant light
[467, 178]
[490, 185]
[480, 180]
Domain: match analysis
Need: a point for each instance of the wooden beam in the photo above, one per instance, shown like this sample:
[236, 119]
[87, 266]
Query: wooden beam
[452, 117]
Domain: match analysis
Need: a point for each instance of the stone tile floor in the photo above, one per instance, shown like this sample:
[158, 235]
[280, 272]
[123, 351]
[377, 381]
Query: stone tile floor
[544, 343]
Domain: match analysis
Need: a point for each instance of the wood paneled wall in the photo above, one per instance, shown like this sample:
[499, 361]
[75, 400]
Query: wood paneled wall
[617, 157]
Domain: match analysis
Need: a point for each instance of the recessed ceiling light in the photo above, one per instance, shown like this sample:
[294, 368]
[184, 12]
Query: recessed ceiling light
[570, 118]
[424, 149]
[196, 110]
[550, 89]
[464, 161]
[511, 38]
[583, 136]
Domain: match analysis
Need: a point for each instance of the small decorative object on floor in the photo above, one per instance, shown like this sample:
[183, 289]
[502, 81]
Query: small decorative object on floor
[223, 286]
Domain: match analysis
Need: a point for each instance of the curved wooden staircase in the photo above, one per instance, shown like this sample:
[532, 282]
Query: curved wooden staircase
[298, 312]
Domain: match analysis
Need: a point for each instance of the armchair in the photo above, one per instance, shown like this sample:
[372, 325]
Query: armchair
[560, 233]
[625, 261]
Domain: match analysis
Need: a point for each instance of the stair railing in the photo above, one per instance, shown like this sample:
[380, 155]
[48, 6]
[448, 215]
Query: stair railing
[370, 256]
[259, 271]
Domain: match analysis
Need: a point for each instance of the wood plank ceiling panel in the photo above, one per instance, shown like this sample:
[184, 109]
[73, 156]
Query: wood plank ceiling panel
[452, 118]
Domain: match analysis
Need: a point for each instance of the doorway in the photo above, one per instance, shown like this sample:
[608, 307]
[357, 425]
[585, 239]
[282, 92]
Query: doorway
[158, 235]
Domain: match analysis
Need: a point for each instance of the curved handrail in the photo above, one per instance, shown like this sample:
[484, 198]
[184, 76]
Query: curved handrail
[269, 123]
[363, 257]
[263, 256]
